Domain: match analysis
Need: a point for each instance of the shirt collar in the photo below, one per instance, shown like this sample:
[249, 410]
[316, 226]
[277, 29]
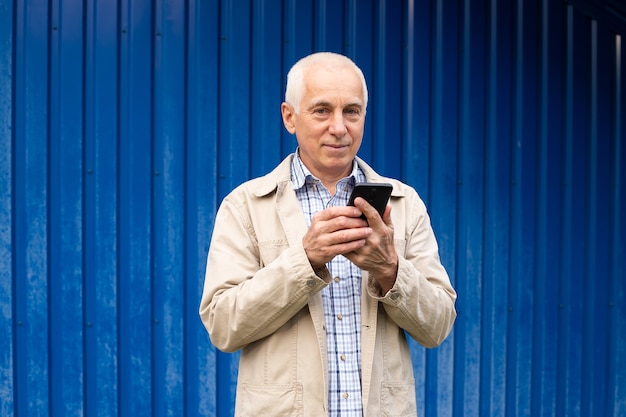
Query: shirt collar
[300, 174]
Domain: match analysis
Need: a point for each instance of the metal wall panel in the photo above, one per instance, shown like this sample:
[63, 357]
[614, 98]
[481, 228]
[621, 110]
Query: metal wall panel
[7, 324]
[124, 123]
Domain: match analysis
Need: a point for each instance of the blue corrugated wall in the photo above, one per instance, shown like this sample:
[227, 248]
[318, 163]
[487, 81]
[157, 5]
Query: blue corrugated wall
[124, 123]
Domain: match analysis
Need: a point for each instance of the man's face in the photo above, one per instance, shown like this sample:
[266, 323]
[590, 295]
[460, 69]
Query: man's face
[329, 126]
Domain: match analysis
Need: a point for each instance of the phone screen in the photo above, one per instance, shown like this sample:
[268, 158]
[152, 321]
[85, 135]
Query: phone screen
[377, 194]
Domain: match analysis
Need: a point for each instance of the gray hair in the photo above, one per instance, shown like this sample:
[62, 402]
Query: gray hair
[295, 78]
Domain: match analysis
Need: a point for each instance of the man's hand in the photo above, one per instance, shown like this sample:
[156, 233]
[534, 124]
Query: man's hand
[378, 255]
[334, 231]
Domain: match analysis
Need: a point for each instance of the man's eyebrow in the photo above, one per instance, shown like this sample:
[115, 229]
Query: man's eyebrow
[320, 103]
[323, 103]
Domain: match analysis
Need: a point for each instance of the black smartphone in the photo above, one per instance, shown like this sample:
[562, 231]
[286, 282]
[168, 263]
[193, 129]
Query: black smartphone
[377, 194]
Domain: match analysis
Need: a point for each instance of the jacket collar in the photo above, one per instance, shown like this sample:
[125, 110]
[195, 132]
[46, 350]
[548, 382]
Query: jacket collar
[281, 175]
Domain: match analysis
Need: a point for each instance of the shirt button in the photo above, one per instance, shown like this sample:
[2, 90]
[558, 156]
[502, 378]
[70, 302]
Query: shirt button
[339, 316]
[343, 357]
[345, 395]
[337, 279]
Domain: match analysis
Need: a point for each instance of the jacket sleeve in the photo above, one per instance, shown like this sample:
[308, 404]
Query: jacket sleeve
[251, 289]
[422, 299]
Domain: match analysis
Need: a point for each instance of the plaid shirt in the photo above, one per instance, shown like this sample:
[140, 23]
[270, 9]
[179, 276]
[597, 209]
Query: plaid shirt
[341, 299]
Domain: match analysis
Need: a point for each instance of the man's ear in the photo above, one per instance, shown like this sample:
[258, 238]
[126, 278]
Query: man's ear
[288, 117]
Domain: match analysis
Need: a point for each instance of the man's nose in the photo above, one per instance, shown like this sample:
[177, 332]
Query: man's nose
[337, 125]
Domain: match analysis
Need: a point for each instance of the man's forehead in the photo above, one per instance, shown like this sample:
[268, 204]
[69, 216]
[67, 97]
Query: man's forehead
[331, 88]
[330, 67]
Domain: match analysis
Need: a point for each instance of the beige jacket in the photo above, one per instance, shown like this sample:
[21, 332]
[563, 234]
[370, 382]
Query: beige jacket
[262, 296]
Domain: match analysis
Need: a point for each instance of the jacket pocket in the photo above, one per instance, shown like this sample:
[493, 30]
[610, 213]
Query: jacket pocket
[269, 400]
[397, 399]
[269, 250]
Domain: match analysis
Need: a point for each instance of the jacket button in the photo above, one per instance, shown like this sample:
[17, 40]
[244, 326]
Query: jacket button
[394, 296]
[311, 283]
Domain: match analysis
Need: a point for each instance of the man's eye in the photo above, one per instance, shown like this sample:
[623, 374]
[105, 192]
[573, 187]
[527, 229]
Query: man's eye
[321, 111]
[352, 112]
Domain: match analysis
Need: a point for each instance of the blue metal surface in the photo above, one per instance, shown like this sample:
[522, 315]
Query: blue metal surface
[123, 124]
[7, 314]
[65, 206]
[29, 226]
[134, 252]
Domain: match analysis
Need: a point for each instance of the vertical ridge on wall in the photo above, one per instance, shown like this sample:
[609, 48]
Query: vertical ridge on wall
[494, 324]
[135, 215]
[574, 215]
[415, 145]
[616, 392]
[589, 302]
[7, 319]
[100, 200]
[328, 24]
[168, 152]
[385, 94]
[30, 217]
[543, 388]
[442, 186]
[564, 365]
[469, 223]
[594, 290]
[266, 87]
[66, 208]
[523, 202]
[234, 66]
